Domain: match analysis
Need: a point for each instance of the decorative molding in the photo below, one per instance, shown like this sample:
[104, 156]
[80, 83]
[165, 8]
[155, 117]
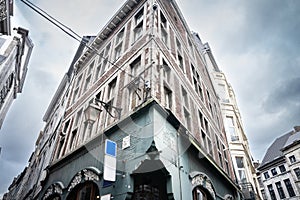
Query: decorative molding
[201, 179]
[87, 174]
[56, 188]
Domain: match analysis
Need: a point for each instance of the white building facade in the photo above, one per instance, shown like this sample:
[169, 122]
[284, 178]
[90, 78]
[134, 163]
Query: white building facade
[236, 136]
[280, 170]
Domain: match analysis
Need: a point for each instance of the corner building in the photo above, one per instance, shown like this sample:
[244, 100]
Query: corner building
[133, 85]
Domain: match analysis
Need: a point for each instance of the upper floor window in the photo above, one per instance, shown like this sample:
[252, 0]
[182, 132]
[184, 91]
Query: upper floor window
[135, 66]
[138, 29]
[118, 44]
[164, 29]
[297, 172]
[185, 97]
[274, 171]
[231, 129]
[292, 159]
[282, 168]
[111, 89]
[168, 97]
[266, 175]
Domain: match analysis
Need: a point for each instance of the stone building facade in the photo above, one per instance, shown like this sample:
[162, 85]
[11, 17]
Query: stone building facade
[280, 168]
[140, 118]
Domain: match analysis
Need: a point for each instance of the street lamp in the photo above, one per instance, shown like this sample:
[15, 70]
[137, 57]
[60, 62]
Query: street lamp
[91, 114]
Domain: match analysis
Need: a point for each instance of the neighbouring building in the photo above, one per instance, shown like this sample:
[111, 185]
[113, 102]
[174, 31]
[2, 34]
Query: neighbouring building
[15, 51]
[128, 121]
[28, 184]
[280, 167]
[236, 136]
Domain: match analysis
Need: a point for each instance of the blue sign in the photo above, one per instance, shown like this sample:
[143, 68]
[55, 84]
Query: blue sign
[110, 148]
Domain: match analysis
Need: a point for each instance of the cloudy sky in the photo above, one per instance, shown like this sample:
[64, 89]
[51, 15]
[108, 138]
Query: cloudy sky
[256, 43]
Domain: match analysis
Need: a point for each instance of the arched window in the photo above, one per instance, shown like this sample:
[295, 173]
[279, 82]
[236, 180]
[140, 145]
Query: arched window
[200, 194]
[85, 191]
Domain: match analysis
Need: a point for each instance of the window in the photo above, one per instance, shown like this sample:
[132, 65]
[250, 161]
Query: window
[166, 71]
[135, 66]
[119, 37]
[292, 159]
[201, 119]
[76, 89]
[289, 187]
[72, 141]
[239, 162]
[60, 147]
[231, 129]
[187, 119]
[203, 137]
[282, 168]
[185, 97]
[180, 61]
[297, 172]
[87, 83]
[272, 193]
[168, 97]
[221, 159]
[164, 36]
[164, 30]
[77, 119]
[118, 44]
[274, 171]
[280, 190]
[138, 30]
[111, 89]
[118, 51]
[191, 47]
[199, 194]
[266, 175]
[241, 169]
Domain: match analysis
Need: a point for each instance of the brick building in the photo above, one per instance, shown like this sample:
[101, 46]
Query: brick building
[141, 118]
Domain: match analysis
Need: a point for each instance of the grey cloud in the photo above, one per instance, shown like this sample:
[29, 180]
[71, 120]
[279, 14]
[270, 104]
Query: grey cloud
[285, 96]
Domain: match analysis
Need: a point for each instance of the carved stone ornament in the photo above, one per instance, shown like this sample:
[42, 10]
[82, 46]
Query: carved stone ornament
[55, 188]
[84, 175]
[75, 181]
[203, 180]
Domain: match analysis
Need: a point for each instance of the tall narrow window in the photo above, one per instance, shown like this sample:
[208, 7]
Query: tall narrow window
[289, 187]
[111, 89]
[297, 172]
[76, 89]
[180, 61]
[185, 97]
[60, 147]
[138, 30]
[72, 141]
[280, 190]
[164, 30]
[166, 71]
[118, 44]
[135, 66]
[272, 192]
[231, 129]
[168, 97]
[241, 169]
[187, 119]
